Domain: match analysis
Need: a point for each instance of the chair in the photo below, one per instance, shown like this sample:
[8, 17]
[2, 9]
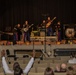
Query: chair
[10, 56]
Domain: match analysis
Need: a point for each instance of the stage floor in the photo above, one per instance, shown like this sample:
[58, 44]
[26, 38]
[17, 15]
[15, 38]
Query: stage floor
[47, 44]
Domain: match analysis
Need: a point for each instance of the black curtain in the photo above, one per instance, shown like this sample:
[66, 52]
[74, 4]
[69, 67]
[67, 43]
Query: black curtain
[13, 12]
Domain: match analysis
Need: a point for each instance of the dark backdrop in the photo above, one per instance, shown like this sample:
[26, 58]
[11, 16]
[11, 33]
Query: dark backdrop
[17, 11]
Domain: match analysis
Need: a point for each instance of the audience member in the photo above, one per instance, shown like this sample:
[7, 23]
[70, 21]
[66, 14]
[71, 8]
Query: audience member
[61, 68]
[70, 71]
[73, 59]
[57, 68]
[48, 71]
[74, 67]
[16, 67]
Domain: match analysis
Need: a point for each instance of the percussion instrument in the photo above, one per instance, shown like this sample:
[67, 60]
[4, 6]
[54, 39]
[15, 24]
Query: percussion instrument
[70, 32]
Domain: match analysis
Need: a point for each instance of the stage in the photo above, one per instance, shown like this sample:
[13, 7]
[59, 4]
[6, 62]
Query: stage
[48, 44]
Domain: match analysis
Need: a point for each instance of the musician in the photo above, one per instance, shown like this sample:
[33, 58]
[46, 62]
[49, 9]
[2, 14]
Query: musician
[58, 30]
[26, 34]
[43, 25]
[48, 26]
[17, 32]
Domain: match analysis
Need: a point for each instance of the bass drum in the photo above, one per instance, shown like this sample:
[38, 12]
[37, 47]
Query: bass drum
[70, 32]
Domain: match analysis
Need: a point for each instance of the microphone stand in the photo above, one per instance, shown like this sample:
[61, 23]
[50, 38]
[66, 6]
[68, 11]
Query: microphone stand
[45, 15]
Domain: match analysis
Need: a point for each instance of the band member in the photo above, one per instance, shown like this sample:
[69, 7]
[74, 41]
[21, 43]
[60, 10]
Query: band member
[17, 32]
[43, 25]
[26, 32]
[58, 30]
[48, 26]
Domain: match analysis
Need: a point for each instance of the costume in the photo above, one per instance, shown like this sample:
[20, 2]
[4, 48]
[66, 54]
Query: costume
[8, 71]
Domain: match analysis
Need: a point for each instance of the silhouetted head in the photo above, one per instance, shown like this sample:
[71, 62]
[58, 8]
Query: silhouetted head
[17, 69]
[48, 71]
[70, 71]
[16, 64]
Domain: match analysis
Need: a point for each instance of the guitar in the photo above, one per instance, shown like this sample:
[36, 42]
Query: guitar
[49, 23]
[26, 29]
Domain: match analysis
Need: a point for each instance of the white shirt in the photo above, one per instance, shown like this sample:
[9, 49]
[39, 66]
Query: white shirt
[72, 61]
[8, 71]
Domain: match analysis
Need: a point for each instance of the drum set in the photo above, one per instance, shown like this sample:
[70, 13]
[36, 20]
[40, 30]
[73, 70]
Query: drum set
[70, 32]
[41, 31]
